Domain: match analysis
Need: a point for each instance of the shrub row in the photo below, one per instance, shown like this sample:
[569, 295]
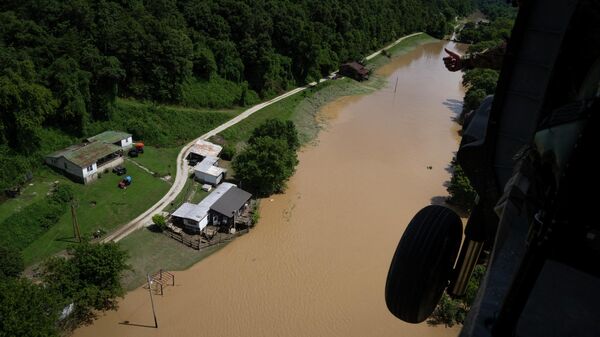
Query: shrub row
[23, 227]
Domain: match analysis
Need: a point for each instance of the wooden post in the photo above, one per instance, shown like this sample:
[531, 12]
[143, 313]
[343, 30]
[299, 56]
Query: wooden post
[76, 232]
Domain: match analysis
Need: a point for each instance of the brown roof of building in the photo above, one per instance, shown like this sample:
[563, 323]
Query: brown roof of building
[84, 155]
[205, 149]
[359, 68]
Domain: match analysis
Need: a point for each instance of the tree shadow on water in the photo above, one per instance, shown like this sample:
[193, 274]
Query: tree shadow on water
[456, 106]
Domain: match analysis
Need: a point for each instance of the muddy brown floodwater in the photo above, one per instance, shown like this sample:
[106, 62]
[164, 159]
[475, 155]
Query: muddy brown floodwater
[316, 263]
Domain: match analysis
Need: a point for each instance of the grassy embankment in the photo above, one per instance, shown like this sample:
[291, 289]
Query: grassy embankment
[302, 108]
[150, 252]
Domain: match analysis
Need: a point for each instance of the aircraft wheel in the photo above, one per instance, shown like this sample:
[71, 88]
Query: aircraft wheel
[423, 263]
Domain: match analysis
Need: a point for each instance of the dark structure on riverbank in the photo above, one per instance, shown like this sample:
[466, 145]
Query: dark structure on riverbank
[354, 70]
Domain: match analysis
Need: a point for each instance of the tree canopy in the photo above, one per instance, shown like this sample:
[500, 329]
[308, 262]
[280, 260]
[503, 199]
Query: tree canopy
[270, 158]
[65, 62]
[90, 279]
[11, 262]
[27, 309]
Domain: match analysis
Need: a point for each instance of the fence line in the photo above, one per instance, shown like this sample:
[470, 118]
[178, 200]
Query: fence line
[198, 245]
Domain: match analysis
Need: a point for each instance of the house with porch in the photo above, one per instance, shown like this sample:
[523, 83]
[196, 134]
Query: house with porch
[224, 207]
[194, 217]
[229, 209]
[82, 162]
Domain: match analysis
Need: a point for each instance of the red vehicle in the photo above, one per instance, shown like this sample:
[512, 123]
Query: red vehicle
[125, 182]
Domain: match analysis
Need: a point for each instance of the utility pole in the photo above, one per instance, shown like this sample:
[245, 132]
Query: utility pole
[152, 301]
[76, 232]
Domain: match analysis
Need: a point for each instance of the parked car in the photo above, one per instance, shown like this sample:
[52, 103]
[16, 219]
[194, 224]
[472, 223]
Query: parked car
[133, 153]
[119, 170]
[193, 162]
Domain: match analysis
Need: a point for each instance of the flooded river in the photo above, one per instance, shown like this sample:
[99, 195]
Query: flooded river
[316, 264]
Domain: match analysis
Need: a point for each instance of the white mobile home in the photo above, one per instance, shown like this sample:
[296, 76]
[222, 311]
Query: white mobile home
[82, 162]
[195, 217]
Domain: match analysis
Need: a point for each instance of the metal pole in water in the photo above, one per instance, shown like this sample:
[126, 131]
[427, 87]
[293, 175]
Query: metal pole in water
[152, 301]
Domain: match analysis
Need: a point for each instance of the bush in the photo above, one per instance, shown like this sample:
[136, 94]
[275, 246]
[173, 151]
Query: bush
[228, 152]
[62, 194]
[265, 165]
[11, 262]
[160, 221]
[91, 279]
[461, 192]
[451, 311]
[23, 227]
[27, 309]
[473, 99]
[277, 129]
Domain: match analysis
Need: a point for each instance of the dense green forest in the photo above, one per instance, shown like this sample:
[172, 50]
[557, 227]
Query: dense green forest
[64, 63]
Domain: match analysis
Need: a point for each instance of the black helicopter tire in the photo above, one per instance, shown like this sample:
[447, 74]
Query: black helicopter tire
[423, 263]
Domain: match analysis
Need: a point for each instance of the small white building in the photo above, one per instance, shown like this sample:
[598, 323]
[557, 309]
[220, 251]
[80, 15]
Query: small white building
[122, 139]
[195, 217]
[202, 149]
[207, 171]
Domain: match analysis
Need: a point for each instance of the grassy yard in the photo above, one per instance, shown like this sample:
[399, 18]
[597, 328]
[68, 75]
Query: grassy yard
[160, 160]
[33, 191]
[149, 252]
[100, 205]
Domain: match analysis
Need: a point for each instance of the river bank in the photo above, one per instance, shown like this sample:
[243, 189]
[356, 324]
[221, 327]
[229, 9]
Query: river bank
[302, 109]
[316, 263]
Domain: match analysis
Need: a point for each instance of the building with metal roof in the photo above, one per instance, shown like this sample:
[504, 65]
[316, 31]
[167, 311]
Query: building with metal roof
[207, 171]
[195, 217]
[119, 138]
[82, 162]
[202, 149]
[232, 201]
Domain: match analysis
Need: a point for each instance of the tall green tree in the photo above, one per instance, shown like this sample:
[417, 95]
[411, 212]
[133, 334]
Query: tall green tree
[27, 309]
[91, 279]
[277, 129]
[265, 165]
[11, 262]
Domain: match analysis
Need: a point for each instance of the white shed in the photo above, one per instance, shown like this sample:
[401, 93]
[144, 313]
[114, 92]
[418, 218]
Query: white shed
[206, 171]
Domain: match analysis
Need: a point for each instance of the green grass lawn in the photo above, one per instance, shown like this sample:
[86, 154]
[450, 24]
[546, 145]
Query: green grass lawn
[160, 160]
[149, 252]
[33, 191]
[199, 194]
[101, 205]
